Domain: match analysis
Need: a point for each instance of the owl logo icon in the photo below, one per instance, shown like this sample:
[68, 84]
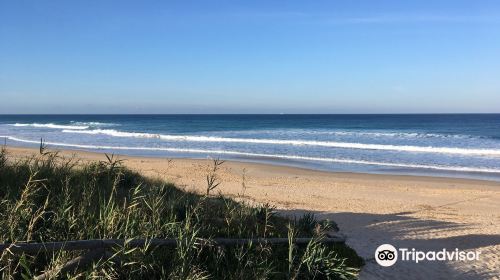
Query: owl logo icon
[386, 255]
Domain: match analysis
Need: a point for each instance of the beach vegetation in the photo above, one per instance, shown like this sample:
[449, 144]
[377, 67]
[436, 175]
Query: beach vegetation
[47, 198]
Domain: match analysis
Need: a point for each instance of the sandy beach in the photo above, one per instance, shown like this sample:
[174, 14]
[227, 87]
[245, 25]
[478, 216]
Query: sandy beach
[425, 213]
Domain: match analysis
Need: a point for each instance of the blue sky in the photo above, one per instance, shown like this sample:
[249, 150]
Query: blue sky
[249, 56]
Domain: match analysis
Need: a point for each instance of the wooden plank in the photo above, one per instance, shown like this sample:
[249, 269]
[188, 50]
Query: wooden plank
[110, 243]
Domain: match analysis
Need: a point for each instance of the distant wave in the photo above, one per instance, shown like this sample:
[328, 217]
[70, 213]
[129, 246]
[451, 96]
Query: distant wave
[73, 126]
[366, 133]
[80, 125]
[99, 124]
[274, 156]
[52, 125]
[117, 133]
[344, 145]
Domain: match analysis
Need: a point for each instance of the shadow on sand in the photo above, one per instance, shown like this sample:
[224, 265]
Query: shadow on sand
[365, 232]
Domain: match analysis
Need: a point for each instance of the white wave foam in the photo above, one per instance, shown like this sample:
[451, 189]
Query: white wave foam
[115, 133]
[388, 134]
[274, 156]
[100, 124]
[52, 125]
[357, 133]
[344, 145]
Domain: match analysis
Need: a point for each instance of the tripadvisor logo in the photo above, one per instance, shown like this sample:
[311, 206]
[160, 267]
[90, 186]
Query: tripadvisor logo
[387, 255]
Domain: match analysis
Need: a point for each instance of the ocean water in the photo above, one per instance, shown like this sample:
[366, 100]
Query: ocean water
[454, 145]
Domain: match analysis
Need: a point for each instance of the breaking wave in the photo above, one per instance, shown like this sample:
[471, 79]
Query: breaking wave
[74, 125]
[331, 144]
[52, 125]
[260, 155]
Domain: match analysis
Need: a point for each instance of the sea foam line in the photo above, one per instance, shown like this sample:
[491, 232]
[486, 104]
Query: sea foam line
[78, 123]
[52, 125]
[377, 134]
[344, 145]
[273, 156]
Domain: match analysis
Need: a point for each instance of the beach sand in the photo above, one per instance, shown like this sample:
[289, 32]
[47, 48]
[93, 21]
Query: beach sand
[424, 213]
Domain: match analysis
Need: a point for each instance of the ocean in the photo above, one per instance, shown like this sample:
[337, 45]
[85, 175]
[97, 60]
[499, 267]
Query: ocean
[450, 145]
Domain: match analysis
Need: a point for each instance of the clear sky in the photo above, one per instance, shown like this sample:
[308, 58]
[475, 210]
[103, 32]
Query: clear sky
[249, 56]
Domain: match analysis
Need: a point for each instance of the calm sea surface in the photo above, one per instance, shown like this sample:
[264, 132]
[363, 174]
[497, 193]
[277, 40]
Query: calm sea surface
[461, 145]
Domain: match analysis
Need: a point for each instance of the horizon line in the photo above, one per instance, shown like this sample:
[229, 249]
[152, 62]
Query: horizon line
[166, 114]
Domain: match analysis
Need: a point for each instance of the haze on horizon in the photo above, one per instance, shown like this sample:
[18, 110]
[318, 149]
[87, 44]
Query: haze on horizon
[249, 56]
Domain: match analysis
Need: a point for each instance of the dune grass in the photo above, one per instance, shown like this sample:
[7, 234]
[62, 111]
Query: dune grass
[47, 198]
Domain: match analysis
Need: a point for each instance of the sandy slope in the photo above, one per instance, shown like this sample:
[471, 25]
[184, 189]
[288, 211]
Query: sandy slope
[415, 212]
